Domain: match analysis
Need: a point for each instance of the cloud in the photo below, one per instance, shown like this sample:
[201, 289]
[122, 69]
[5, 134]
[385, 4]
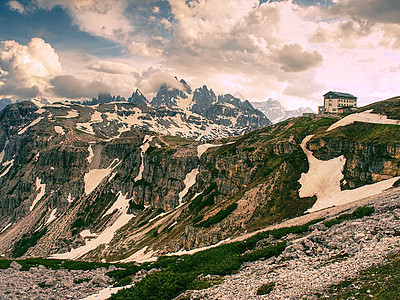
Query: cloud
[152, 79]
[111, 67]
[382, 11]
[293, 59]
[145, 49]
[17, 6]
[104, 18]
[25, 70]
[69, 86]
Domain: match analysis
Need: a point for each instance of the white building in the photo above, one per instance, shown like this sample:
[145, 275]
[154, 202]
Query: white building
[337, 102]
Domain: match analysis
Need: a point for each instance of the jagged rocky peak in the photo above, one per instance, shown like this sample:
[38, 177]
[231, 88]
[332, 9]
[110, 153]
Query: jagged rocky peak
[168, 94]
[203, 98]
[138, 98]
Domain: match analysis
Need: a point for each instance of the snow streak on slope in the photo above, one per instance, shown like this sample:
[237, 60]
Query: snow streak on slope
[189, 181]
[365, 117]
[6, 227]
[95, 176]
[2, 153]
[33, 123]
[9, 164]
[52, 217]
[41, 187]
[91, 154]
[147, 139]
[323, 180]
[121, 204]
[104, 237]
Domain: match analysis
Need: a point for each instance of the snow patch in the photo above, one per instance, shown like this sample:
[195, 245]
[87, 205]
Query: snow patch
[189, 181]
[121, 204]
[147, 139]
[141, 256]
[41, 187]
[104, 237]
[52, 217]
[95, 176]
[364, 117]
[204, 147]
[73, 113]
[9, 164]
[107, 292]
[33, 123]
[6, 227]
[59, 130]
[323, 177]
[86, 233]
[323, 180]
[2, 153]
[91, 154]
[70, 199]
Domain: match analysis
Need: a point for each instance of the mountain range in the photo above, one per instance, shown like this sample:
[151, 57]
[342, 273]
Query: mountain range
[123, 181]
[275, 112]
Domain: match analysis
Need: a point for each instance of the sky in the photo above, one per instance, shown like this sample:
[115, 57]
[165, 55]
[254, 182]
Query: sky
[290, 50]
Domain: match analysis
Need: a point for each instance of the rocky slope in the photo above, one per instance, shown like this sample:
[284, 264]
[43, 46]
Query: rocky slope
[327, 256]
[111, 182]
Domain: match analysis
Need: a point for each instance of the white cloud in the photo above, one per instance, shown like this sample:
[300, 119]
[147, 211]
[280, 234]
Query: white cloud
[98, 17]
[112, 67]
[144, 49]
[17, 6]
[27, 69]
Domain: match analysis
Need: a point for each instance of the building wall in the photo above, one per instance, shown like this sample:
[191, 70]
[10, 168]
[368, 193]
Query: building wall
[332, 105]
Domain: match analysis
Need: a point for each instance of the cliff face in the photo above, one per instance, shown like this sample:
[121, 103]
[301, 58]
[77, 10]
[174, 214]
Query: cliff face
[372, 152]
[78, 184]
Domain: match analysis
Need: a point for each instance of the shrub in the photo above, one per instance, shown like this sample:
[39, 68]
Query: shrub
[266, 288]
[28, 240]
[357, 214]
[222, 214]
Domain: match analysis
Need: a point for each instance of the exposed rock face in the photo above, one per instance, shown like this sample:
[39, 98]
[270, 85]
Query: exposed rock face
[366, 162]
[311, 264]
[138, 98]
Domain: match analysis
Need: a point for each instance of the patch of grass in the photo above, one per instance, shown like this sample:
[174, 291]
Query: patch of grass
[357, 214]
[27, 241]
[265, 289]
[5, 263]
[201, 284]
[218, 217]
[381, 282]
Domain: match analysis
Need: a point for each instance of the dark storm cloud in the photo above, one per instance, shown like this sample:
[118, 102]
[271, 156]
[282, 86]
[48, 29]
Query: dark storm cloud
[292, 58]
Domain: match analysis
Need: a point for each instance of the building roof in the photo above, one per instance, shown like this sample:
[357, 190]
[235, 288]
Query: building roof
[340, 94]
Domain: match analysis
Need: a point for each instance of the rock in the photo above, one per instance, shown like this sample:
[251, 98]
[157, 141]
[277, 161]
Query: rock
[14, 265]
